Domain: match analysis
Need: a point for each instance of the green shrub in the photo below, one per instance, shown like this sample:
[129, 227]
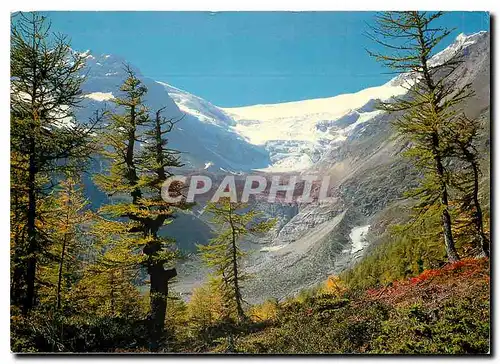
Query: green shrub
[458, 326]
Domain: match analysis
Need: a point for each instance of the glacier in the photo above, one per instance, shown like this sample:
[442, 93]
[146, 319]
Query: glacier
[284, 137]
[343, 136]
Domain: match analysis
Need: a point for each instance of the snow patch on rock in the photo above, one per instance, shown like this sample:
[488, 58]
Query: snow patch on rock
[100, 96]
[272, 248]
[358, 238]
[198, 107]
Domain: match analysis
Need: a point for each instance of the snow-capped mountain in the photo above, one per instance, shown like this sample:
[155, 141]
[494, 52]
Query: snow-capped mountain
[198, 107]
[290, 136]
[204, 134]
[297, 134]
[461, 44]
[341, 136]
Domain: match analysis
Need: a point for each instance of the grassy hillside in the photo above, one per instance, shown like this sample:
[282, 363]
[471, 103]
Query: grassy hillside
[441, 311]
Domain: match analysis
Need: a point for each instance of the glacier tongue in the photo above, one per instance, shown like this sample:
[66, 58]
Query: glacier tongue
[296, 134]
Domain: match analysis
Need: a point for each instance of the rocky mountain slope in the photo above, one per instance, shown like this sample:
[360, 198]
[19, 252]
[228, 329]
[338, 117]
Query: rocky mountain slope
[369, 176]
[202, 138]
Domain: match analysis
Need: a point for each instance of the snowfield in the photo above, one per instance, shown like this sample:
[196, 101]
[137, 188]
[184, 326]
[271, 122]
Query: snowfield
[298, 120]
[100, 96]
[358, 238]
[297, 133]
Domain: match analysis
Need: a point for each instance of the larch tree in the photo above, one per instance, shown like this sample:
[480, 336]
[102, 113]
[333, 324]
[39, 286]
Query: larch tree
[107, 287]
[463, 139]
[223, 253]
[409, 39]
[66, 218]
[46, 140]
[18, 219]
[134, 177]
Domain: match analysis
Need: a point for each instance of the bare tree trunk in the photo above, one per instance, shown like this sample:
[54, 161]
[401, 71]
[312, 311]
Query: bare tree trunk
[237, 291]
[112, 293]
[449, 244]
[17, 276]
[483, 243]
[451, 252]
[59, 274]
[236, 284]
[158, 292]
[31, 229]
[158, 302]
[63, 255]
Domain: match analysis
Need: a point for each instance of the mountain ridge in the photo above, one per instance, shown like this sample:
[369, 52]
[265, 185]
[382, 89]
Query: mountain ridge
[296, 133]
[356, 148]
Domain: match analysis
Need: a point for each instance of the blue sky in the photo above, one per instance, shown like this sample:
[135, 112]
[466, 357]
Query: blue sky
[244, 58]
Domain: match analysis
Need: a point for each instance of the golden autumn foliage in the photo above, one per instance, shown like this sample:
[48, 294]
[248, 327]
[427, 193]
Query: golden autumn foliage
[334, 286]
[265, 311]
[206, 306]
[108, 293]
[80, 273]
[64, 222]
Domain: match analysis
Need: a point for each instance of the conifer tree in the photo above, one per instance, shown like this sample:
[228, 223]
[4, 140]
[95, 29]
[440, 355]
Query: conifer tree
[206, 307]
[134, 177]
[234, 221]
[463, 137]
[410, 39]
[45, 139]
[66, 218]
[107, 288]
[18, 218]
